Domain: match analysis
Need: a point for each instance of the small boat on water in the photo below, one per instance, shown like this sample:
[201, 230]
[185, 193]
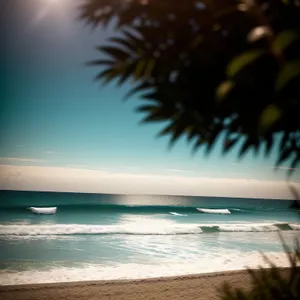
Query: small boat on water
[43, 210]
[214, 211]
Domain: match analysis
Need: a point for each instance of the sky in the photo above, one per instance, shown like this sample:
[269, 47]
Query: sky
[60, 130]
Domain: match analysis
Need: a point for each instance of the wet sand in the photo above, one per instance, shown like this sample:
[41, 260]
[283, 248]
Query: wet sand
[203, 286]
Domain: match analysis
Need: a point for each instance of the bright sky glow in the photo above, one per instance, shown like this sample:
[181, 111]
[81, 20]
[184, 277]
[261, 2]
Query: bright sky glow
[56, 9]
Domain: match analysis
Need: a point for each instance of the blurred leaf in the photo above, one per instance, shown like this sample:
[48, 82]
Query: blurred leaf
[191, 133]
[284, 155]
[246, 147]
[138, 88]
[269, 116]
[241, 61]
[139, 70]
[294, 163]
[284, 140]
[224, 89]
[129, 45]
[213, 137]
[229, 143]
[153, 96]
[176, 135]
[167, 130]
[200, 141]
[241, 295]
[284, 39]
[126, 74]
[154, 117]
[146, 108]
[100, 62]
[116, 53]
[269, 144]
[107, 75]
[149, 67]
[290, 71]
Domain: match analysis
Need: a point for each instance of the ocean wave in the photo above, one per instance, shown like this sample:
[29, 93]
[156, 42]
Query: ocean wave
[133, 229]
[71, 229]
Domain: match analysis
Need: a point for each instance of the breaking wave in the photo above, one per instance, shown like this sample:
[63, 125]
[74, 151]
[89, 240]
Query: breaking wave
[79, 229]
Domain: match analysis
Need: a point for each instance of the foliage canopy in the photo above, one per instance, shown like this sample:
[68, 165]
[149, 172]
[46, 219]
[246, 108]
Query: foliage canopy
[208, 67]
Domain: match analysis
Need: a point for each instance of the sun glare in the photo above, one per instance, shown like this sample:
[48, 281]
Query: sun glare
[52, 2]
[57, 9]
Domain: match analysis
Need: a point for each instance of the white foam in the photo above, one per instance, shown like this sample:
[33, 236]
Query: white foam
[248, 227]
[214, 211]
[69, 229]
[230, 260]
[177, 214]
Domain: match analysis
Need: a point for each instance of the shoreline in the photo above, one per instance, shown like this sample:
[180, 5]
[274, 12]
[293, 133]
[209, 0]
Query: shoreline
[197, 286]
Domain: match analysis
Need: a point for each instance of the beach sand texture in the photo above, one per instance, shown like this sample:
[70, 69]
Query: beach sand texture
[196, 287]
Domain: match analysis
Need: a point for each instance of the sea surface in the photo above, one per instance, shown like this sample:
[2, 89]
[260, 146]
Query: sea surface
[100, 237]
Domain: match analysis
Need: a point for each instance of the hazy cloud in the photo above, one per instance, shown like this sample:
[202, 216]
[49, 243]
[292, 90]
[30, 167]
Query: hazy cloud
[286, 168]
[53, 152]
[18, 159]
[95, 181]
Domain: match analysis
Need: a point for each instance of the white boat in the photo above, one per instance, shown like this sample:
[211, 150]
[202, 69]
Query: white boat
[43, 210]
[214, 211]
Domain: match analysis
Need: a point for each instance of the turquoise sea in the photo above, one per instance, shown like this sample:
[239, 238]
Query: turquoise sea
[97, 236]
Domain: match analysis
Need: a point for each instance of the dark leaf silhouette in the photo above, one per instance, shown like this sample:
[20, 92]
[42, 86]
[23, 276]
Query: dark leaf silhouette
[208, 67]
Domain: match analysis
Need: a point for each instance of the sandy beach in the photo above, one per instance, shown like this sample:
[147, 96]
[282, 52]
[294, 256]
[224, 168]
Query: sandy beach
[204, 286]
